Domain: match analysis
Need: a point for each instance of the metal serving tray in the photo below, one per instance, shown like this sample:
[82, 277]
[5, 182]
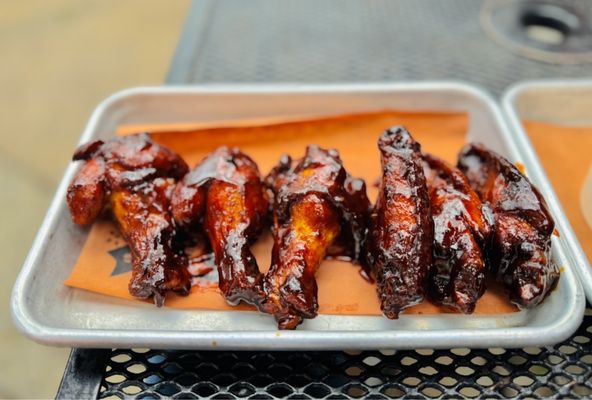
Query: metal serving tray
[566, 102]
[52, 313]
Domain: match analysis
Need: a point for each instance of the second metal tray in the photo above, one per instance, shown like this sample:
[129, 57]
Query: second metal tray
[50, 312]
[567, 102]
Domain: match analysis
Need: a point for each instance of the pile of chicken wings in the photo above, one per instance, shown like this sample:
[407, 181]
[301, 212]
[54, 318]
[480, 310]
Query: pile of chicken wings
[435, 231]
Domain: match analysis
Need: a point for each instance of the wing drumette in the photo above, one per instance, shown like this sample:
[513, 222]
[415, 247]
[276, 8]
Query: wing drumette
[399, 244]
[135, 177]
[520, 254]
[227, 187]
[462, 227]
[317, 205]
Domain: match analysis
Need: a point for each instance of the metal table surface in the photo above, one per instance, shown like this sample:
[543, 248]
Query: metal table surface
[344, 41]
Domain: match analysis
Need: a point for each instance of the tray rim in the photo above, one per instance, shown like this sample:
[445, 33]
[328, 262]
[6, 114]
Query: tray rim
[510, 97]
[562, 328]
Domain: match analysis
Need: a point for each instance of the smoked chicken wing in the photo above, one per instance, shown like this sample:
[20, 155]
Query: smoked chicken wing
[520, 253]
[462, 228]
[400, 236]
[226, 193]
[318, 209]
[135, 177]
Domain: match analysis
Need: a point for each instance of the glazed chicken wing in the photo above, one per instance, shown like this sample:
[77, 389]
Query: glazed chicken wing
[226, 186]
[520, 254]
[135, 177]
[318, 209]
[462, 227]
[399, 244]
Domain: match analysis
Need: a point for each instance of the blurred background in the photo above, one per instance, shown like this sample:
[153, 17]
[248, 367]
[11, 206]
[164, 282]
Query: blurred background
[59, 59]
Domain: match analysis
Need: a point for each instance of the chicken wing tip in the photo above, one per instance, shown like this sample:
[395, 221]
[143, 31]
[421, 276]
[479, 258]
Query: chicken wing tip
[87, 150]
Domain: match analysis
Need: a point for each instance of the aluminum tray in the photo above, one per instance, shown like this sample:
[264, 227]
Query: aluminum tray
[49, 312]
[566, 102]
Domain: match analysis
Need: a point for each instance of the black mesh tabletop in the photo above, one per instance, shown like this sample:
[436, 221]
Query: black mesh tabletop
[561, 370]
[235, 41]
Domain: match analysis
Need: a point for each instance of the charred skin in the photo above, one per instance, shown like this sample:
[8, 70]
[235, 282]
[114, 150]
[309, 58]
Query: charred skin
[399, 244]
[318, 209]
[226, 193]
[135, 177]
[462, 228]
[521, 245]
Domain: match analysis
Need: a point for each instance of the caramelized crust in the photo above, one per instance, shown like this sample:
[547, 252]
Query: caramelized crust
[149, 231]
[225, 191]
[87, 192]
[317, 208]
[520, 253]
[399, 248]
[462, 228]
[135, 177]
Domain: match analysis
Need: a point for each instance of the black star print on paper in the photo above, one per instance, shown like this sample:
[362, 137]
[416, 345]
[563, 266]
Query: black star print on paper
[122, 258]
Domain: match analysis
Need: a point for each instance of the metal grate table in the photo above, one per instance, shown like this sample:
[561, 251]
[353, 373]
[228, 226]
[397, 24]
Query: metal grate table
[344, 41]
[562, 370]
